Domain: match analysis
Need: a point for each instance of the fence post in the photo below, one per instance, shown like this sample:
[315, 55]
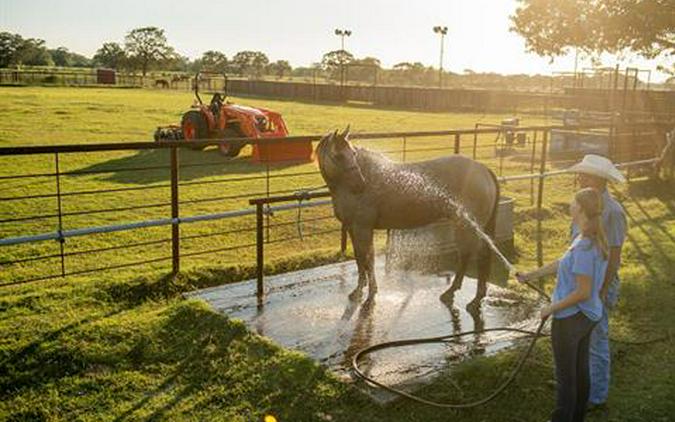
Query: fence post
[267, 187]
[175, 229]
[456, 143]
[540, 198]
[404, 149]
[475, 140]
[260, 258]
[58, 200]
[501, 150]
[532, 158]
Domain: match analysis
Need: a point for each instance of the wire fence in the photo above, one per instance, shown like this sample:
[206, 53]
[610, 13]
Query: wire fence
[88, 208]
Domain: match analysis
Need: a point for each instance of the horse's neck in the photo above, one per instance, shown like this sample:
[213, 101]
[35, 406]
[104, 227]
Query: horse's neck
[372, 163]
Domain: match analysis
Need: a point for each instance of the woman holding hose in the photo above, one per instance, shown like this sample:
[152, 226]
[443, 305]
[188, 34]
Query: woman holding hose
[576, 305]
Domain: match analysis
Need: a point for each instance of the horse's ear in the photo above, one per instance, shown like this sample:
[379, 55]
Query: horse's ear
[345, 134]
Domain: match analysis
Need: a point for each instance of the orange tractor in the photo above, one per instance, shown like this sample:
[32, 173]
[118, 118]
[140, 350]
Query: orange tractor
[221, 119]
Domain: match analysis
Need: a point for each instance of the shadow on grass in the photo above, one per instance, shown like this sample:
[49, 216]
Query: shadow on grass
[43, 360]
[208, 351]
[136, 292]
[193, 165]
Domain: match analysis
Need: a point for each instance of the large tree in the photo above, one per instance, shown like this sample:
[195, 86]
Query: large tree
[15, 50]
[146, 47]
[333, 63]
[65, 58]
[554, 27]
[279, 68]
[110, 55]
[250, 63]
[214, 61]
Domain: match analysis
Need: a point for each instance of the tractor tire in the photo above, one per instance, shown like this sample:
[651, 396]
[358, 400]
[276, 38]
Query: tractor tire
[231, 149]
[194, 126]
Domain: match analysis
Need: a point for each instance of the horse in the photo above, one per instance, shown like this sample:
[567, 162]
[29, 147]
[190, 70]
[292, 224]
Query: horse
[161, 83]
[371, 192]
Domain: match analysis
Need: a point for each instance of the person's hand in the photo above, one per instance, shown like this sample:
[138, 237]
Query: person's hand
[546, 311]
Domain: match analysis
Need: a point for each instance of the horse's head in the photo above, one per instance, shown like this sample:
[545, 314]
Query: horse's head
[338, 161]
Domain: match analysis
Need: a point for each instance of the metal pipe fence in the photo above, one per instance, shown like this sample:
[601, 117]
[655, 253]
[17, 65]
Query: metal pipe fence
[174, 205]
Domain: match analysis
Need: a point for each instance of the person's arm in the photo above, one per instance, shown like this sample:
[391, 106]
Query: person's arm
[612, 267]
[580, 294]
[616, 234]
[548, 269]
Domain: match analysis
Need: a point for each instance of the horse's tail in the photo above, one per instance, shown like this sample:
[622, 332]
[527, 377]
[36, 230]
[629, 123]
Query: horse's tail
[485, 254]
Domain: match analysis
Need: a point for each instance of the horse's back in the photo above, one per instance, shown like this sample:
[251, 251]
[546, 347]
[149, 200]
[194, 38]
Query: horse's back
[468, 180]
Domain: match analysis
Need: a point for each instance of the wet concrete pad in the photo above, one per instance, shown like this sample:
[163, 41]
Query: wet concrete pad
[309, 311]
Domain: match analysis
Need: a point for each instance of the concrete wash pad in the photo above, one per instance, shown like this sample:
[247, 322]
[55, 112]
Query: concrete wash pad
[309, 311]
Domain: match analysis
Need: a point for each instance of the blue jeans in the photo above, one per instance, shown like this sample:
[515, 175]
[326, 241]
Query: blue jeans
[599, 350]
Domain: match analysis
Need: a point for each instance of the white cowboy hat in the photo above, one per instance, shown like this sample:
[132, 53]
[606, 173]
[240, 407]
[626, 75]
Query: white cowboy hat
[597, 165]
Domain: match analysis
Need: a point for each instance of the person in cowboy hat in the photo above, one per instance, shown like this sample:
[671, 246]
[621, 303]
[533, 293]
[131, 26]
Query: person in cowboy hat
[595, 171]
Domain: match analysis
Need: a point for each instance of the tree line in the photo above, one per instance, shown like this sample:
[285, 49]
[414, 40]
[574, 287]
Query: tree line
[645, 27]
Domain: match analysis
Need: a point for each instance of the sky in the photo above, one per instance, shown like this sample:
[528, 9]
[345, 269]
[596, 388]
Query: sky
[301, 31]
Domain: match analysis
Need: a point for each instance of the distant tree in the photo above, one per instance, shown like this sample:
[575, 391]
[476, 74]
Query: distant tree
[110, 55]
[364, 69]
[61, 57]
[16, 50]
[251, 63]
[334, 59]
[415, 73]
[34, 53]
[9, 45]
[176, 62]
[214, 61]
[279, 68]
[333, 62]
[64, 58]
[146, 47]
[552, 28]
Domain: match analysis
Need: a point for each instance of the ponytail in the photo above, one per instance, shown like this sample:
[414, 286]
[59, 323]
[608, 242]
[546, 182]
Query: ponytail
[591, 204]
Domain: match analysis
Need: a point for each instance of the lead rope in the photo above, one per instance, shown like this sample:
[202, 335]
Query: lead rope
[302, 196]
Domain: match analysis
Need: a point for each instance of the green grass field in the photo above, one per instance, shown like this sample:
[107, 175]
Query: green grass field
[123, 345]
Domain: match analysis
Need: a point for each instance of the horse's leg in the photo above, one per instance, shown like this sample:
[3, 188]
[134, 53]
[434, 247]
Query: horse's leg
[466, 243]
[370, 269]
[449, 295]
[361, 242]
[484, 264]
[485, 258]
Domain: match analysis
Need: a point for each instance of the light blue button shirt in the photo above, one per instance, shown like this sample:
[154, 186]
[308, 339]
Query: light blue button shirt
[582, 258]
[614, 223]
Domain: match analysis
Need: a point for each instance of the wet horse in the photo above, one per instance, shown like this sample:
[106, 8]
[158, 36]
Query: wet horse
[371, 192]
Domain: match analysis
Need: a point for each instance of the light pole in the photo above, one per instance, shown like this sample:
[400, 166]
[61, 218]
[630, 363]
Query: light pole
[342, 33]
[443, 30]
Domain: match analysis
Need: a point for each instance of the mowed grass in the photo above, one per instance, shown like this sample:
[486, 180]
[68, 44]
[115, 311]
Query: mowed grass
[122, 344]
[209, 184]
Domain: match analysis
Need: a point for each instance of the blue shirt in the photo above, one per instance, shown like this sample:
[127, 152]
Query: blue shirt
[614, 223]
[582, 258]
